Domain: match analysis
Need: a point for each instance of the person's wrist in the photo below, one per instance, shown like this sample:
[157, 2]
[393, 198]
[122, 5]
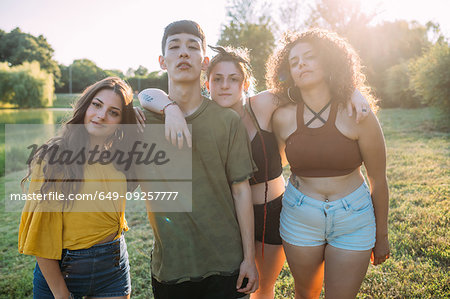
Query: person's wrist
[173, 109]
[65, 296]
[249, 258]
[168, 106]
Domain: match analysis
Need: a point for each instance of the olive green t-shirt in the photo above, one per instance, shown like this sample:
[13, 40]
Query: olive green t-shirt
[207, 241]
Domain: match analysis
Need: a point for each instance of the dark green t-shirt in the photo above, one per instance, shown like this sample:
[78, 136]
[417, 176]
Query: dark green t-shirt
[206, 241]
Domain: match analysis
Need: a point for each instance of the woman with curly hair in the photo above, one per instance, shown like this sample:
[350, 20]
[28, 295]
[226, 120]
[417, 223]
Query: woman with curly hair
[331, 221]
[79, 245]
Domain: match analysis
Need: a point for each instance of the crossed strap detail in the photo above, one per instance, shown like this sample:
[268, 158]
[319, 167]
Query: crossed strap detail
[317, 115]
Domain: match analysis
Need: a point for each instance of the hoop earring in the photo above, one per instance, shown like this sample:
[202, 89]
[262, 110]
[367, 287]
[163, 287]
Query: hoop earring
[289, 95]
[115, 137]
[246, 94]
[118, 134]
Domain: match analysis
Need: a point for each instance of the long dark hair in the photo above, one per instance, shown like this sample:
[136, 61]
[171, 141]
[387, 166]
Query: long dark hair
[76, 138]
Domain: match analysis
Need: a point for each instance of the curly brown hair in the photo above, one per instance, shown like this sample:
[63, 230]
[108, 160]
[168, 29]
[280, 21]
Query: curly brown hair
[340, 61]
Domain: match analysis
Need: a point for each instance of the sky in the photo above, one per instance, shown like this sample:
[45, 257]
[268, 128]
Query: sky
[119, 34]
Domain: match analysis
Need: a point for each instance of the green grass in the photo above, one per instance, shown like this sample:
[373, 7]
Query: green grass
[418, 143]
[64, 100]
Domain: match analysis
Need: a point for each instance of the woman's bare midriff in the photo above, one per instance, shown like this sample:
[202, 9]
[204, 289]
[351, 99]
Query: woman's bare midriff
[328, 188]
[275, 189]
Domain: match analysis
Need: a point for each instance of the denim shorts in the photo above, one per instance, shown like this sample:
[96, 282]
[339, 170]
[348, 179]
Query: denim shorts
[99, 271]
[347, 223]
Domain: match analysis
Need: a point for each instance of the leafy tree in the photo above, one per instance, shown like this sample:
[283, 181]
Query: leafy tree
[142, 71]
[292, 15]
[84, 73]
[17, 47]
[245, 30]
[115, 73]
[434, 31]
[430, 76]
[2, 40]
[130, 72]
[62, 86]
[386, 45]
[380, 47]
[397, 88]
[339, 16]
[26, 85]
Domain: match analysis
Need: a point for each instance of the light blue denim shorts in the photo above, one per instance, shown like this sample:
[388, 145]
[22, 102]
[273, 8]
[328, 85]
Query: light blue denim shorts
[346, 223]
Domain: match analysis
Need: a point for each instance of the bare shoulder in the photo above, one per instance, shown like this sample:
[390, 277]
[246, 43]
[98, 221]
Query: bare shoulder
[263, 105]
[264, 100]
[352, 129]
[284, 114]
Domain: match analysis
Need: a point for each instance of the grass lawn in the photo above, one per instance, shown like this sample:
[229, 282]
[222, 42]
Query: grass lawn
[418, 143]
[64, 100]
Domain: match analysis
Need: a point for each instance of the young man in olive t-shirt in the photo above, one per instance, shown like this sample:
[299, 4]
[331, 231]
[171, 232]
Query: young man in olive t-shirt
[208, 252]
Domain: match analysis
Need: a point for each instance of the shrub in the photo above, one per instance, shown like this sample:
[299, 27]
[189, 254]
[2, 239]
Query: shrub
[430, 76]
[26, 85]
[398, 92]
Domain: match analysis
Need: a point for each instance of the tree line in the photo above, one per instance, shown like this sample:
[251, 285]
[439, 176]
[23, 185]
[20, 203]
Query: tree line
[29, 75]
[406, 63]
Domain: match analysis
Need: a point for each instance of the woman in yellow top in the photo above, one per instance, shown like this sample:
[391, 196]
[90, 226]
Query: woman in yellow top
[78, 242]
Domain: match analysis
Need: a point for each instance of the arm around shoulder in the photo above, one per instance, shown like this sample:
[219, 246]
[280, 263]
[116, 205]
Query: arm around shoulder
[153, 99]
[158, 101]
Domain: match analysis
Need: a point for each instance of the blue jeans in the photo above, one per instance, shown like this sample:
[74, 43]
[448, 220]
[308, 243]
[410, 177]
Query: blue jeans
[99, 271]
[347, 223]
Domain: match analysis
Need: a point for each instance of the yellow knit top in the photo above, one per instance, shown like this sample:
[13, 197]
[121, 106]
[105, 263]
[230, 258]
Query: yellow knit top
[46, 227]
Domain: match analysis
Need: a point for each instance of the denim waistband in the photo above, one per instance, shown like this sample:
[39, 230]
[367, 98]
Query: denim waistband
[359, 193]
[97, 249]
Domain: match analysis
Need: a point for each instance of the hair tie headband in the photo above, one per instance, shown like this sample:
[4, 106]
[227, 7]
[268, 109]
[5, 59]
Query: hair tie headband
[233, 55]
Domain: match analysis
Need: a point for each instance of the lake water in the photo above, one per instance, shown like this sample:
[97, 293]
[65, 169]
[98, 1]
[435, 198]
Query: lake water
[34, 116]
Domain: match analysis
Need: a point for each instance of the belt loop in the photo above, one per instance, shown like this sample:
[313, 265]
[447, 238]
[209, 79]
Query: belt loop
[300, 200]
[345, 204]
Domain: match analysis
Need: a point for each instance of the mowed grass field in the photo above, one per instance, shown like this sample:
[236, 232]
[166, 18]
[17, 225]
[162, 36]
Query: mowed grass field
[418, 149]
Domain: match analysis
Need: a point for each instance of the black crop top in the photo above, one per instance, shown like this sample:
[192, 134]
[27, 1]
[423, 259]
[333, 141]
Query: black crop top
[274, 168]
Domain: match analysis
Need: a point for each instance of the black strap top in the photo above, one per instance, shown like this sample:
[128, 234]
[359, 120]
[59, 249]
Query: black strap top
[264, 141]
